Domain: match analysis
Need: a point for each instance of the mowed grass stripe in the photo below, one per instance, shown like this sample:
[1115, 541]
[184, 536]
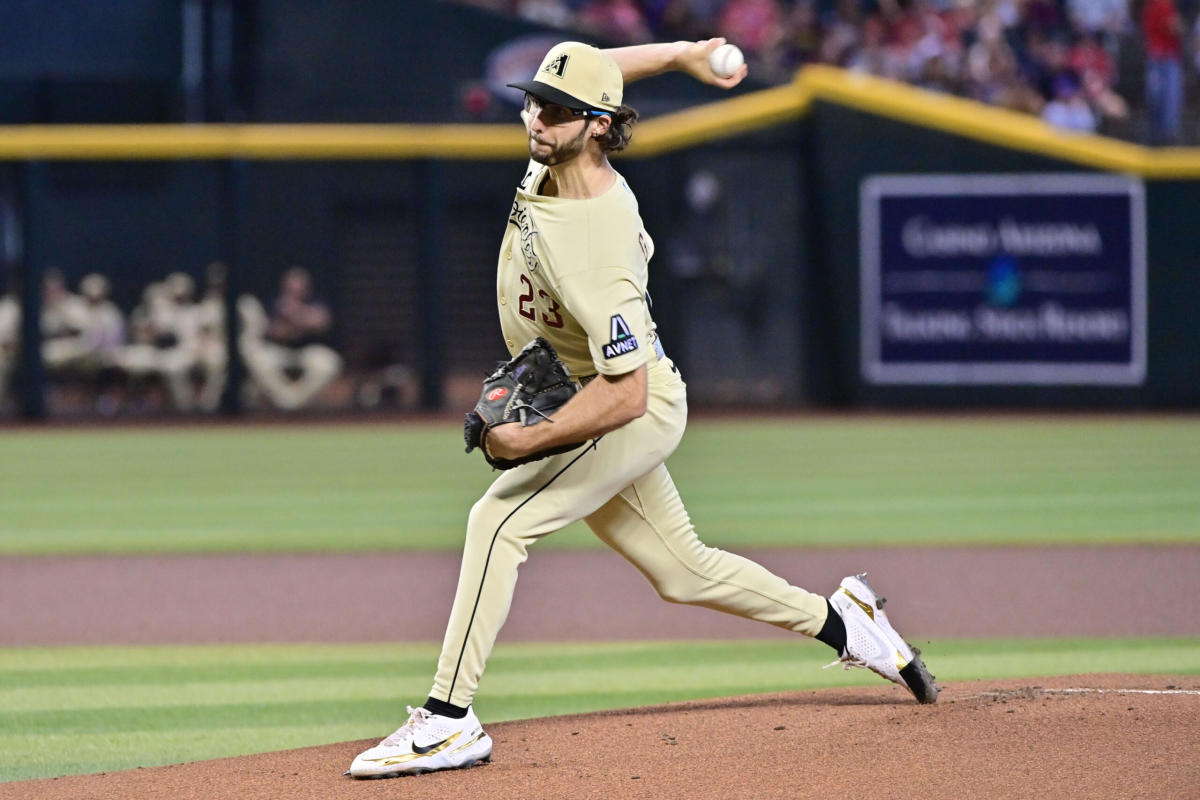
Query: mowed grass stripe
[135, 668]
[25, 758]
[164, 689]
[336, 674]
[777, 482]
[351, 692]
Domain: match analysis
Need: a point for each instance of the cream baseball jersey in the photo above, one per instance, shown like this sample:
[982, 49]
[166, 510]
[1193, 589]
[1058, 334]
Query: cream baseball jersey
[574, 271]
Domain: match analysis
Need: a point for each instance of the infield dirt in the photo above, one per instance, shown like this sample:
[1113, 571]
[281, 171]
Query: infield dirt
[998, 739]
[1083, 736]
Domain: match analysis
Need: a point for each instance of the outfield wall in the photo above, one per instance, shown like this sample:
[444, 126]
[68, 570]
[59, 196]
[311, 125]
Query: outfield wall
[783, 312]
[849, 146]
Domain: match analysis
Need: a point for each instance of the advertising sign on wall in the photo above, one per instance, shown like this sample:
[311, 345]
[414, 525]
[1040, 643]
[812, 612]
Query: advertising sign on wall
[1003, 279]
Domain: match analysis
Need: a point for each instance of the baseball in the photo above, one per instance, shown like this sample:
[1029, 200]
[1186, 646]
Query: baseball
[725, 60]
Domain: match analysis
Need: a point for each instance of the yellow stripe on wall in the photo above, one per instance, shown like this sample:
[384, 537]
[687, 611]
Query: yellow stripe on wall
[664, 134]
[994, 125]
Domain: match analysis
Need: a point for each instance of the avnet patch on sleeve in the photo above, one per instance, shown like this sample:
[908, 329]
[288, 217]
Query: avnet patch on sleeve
[610, 306]
[621, 339]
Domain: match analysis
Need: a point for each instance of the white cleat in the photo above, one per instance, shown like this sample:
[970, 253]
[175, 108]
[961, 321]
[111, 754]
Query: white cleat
[873, 643]
[427, 742]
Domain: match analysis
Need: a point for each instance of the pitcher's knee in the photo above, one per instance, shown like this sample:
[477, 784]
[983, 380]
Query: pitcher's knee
[682, 592]
[482, 521]
[693, 581]
[490, 520]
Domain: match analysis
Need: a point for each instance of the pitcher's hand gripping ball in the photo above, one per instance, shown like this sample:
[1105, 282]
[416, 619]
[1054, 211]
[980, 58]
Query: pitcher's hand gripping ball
[526, 390]
[726, 60]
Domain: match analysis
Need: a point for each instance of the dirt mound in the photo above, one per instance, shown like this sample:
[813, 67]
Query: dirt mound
[1094, 736]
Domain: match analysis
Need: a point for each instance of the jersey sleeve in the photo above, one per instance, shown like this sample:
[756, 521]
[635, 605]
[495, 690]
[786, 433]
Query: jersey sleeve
[612, 311]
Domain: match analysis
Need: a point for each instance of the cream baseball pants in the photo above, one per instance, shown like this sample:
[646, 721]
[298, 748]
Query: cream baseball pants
[619, 485]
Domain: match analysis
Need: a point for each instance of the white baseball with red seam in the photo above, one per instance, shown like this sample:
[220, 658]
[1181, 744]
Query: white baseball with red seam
[726, 60]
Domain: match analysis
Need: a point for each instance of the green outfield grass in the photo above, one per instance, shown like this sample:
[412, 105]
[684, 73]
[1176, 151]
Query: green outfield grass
[82, 710]
[784, 482]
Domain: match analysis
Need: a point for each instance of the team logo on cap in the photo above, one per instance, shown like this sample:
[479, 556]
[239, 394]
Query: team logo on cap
[558, 66]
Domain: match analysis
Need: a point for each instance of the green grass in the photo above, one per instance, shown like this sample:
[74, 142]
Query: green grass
[782, 482]
[785, 482]
[117, 708]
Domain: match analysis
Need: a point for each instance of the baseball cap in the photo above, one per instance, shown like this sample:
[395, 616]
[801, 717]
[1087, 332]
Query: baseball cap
[578, 76]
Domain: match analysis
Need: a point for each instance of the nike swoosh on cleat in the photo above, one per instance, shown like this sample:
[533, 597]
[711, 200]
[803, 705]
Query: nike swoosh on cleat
[417, 752]
[433, 748]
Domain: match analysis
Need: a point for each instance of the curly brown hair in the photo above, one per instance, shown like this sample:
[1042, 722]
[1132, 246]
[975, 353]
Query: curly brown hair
[617, 137]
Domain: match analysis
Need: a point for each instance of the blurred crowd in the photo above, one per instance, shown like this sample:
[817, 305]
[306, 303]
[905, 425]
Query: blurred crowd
[1114, 66]
[171, 350]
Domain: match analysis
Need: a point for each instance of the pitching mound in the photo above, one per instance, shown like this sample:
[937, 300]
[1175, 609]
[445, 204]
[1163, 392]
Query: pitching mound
[1094, 736]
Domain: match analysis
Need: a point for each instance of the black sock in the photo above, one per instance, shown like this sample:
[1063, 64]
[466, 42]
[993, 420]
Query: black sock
[833, 632]
[444, 709]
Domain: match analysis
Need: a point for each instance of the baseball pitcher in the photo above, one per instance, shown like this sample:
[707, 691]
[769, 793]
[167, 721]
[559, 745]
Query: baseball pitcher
[571, 294]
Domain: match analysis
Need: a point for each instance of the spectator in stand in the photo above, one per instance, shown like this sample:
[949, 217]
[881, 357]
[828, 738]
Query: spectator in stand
[802, 34]
[619, 21]
[1045, 16]
[657, 15]
[841, 37]
[63, 323]
[691, 19]
[1162, 29]
[139, 358]
[1089, 56]
[104, 336]
[163, 339]
[993, 73]
[1045, 59]
[553, 13]
[104, 326]
[1196, 45]
[963, 47]
[985, 60]
[1069, 109]
[1107, 20]
[1093, 63]
[917, 37]
[81, 333]
[285, 352]
[211, 355]
[873, 55]
[756, 26]
[1007, 12]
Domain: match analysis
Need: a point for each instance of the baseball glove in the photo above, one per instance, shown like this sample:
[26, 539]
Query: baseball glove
[527, 390]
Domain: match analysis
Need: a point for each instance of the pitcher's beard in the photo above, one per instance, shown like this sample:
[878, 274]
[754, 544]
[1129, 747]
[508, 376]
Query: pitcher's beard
[564, 152]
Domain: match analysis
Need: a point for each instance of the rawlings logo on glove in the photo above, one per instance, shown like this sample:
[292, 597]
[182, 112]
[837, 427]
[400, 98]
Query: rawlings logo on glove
[526, 390]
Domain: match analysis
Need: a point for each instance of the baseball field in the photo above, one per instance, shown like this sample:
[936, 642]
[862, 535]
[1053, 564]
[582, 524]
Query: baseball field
[236, 611]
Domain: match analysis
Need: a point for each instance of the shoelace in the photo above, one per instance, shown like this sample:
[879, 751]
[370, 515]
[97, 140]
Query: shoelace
[847, 661]
[417, 717]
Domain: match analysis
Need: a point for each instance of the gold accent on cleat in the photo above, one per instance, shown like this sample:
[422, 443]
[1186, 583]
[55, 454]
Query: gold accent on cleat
[404, 758]
[870, 612]
[468, 744]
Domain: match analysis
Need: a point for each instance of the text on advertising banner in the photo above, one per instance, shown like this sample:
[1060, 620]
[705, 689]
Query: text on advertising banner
[1006, 279]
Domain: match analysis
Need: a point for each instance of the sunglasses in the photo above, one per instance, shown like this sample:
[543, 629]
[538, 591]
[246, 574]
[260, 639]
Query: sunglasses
[555, 114]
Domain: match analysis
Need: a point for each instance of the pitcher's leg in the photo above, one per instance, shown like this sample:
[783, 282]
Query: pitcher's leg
[486, 582]
[648, 524]
[523, 505]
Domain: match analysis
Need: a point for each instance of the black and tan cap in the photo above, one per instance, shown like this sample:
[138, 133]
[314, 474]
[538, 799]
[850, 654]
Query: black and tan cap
[577, 76]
